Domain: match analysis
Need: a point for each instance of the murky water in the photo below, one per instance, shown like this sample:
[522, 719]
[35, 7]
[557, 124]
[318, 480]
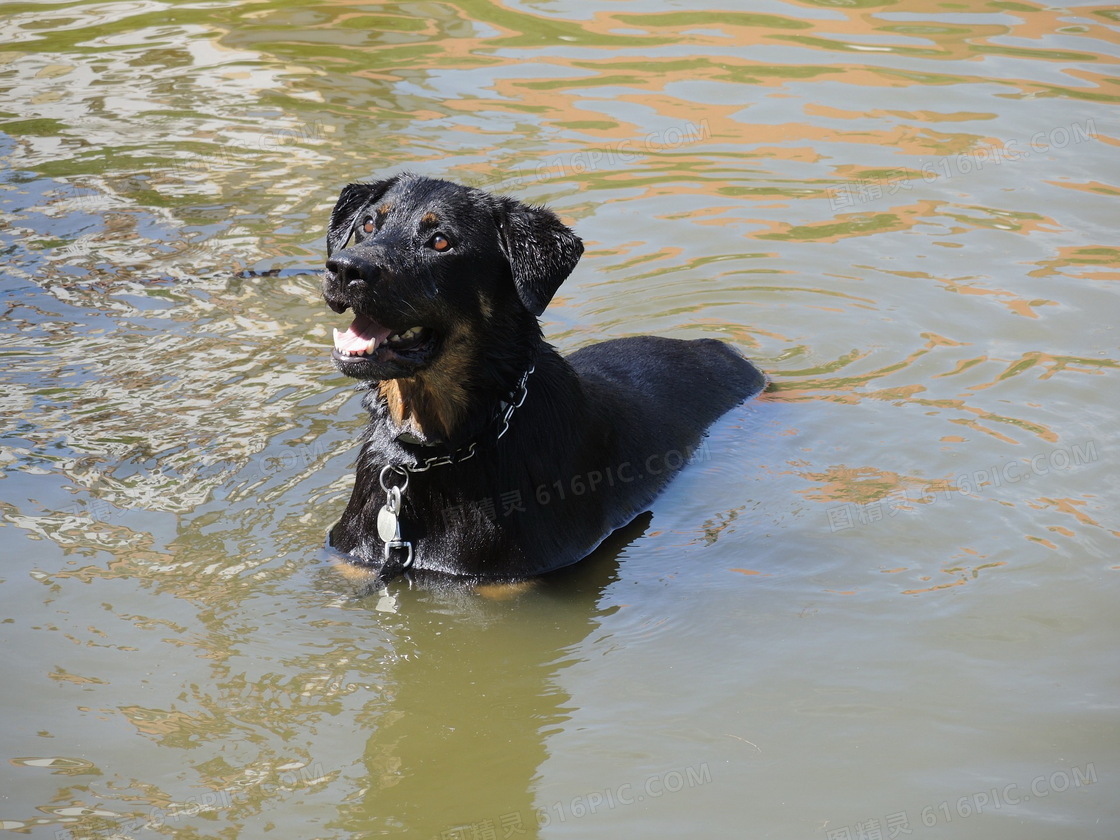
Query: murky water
[881, 605]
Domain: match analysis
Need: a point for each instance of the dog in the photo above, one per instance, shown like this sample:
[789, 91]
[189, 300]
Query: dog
[489, 456]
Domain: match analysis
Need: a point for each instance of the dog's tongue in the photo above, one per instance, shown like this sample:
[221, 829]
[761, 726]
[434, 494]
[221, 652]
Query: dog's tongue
[357, 338]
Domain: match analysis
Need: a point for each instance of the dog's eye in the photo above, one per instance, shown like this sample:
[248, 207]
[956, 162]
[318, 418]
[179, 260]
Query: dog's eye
[369, 226]
[439, 242]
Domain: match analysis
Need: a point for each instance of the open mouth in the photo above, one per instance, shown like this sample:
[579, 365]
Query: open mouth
[367, 340]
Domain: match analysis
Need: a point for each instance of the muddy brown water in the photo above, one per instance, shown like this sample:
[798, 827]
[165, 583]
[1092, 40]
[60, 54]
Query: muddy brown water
[880, 604]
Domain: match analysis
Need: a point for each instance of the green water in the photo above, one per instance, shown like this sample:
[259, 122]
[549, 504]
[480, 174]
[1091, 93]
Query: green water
[881, 605]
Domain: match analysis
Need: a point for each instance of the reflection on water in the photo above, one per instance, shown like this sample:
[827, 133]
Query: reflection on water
[904, 212]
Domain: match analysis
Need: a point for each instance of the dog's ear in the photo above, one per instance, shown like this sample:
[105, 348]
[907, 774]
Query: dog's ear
[352, 199]
[541, 250]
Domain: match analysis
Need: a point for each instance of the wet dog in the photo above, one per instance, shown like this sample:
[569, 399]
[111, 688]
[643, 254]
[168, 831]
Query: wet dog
[488, 455]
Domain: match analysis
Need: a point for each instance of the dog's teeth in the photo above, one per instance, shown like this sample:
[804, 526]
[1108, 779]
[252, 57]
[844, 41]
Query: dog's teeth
[371, 345]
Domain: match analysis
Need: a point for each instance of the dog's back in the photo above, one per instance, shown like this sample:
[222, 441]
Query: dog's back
[668, 382]
[660, 395]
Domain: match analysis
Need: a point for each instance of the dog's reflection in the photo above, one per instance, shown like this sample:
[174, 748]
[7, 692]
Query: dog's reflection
[456, 753]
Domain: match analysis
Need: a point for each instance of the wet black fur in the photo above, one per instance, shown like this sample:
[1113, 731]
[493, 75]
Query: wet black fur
[626, 412]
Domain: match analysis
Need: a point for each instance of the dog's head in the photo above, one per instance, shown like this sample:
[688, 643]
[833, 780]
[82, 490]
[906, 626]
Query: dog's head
[424, 264]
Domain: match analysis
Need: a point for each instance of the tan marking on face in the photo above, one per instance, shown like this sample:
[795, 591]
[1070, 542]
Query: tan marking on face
[435, 401]
[390, 391]
[430, 219]
[444, 399]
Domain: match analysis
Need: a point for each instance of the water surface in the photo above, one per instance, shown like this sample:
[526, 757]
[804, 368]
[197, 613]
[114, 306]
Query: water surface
[880, 605]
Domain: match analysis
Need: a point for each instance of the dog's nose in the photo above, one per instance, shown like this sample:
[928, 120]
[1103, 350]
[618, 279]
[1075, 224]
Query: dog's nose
[353, 270]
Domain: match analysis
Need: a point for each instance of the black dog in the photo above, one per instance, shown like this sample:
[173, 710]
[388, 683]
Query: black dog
[489, 455]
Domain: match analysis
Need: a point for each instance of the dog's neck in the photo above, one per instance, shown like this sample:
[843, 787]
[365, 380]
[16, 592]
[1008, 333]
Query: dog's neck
[441, 414]
[417, 410]
[451, 402]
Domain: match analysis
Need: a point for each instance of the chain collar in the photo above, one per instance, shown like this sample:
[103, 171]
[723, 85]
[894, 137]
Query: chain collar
[515, 401]
[399, 551]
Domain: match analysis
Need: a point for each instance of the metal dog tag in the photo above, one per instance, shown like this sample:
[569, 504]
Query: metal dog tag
[388, 526]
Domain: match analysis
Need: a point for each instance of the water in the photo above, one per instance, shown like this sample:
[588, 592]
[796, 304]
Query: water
[882, 604]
